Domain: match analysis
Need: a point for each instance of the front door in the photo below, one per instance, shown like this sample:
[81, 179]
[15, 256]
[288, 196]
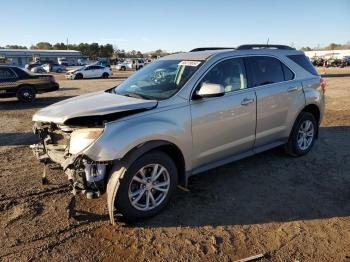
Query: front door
[89, 72]
[224, 126]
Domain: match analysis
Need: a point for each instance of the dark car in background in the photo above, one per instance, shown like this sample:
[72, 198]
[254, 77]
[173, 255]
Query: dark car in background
[16, 82]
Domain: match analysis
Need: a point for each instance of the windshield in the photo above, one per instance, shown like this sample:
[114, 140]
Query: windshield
[159, 80]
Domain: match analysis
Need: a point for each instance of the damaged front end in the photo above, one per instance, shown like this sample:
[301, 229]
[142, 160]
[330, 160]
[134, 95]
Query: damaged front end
[70, 128]
[64, 145]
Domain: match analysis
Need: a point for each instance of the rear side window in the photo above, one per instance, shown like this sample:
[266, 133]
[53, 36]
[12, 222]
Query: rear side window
[266, 70]
[304, 62]
[20, 72]
[6, 73]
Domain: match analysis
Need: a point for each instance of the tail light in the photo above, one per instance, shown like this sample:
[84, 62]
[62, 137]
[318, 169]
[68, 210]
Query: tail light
[323, 85]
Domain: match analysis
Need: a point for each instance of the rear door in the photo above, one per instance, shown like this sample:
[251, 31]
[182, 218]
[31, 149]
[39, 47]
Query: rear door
[224, 126]
[279, 97]
[8, 80]
[98, 71]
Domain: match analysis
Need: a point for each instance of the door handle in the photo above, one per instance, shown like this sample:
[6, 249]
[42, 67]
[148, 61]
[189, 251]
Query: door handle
[247, 101]
[293, 88]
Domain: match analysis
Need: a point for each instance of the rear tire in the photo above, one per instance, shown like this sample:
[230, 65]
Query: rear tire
[26, 94]
[129, 189]
[303, 135]
[105, 75]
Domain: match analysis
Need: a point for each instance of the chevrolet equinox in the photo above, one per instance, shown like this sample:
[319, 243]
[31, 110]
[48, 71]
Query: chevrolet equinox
[179, 116]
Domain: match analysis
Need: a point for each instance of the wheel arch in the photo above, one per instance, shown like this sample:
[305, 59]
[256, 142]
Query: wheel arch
[26, 85]
[169, 148]
[312, 109]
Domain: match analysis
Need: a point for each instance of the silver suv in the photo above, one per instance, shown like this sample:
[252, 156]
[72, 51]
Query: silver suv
[179, 116]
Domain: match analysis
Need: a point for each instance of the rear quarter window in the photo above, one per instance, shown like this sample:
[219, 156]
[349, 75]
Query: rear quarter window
[288, 74]
[304, 62]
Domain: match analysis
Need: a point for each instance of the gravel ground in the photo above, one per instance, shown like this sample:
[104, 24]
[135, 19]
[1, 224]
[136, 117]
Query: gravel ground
[296, 209]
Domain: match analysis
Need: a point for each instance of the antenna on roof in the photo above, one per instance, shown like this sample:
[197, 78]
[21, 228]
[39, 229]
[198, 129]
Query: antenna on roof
[268, 40]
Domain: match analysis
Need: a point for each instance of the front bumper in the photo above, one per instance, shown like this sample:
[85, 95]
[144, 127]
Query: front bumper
[85, 175]
[70, 77]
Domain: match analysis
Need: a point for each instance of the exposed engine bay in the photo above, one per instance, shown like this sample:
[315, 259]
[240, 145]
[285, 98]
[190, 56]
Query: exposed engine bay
[57, 146]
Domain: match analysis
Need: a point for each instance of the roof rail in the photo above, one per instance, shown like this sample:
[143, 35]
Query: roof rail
[210, 48]
[259, 46]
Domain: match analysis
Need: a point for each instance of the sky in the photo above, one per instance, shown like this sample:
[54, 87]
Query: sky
[177, 25]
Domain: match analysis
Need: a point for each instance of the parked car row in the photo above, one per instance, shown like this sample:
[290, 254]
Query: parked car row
[330, 62]
[47, 66]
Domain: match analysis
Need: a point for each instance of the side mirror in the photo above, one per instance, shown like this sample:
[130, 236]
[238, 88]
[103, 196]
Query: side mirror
[210, 90]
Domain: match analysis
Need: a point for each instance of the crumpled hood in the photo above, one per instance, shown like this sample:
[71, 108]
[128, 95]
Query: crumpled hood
[73, 71]
[92, 104]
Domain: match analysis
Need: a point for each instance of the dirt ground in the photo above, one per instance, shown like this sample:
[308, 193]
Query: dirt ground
[296, 209]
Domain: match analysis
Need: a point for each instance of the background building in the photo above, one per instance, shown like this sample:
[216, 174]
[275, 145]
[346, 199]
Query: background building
[21, 57]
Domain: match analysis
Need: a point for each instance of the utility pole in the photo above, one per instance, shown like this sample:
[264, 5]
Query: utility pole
[67, 44]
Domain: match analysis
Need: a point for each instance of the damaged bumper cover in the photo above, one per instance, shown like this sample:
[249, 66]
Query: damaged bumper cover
[85, 175]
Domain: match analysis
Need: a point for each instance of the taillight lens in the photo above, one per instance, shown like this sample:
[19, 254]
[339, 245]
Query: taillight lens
[323, 85]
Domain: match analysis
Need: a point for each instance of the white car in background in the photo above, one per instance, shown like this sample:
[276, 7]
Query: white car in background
[38, 69]
[135, 63]
[122, 66]
[54, 67]
[91, 71]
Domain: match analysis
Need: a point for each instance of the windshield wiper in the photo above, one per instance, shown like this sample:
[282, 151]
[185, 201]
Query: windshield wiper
[135, 95]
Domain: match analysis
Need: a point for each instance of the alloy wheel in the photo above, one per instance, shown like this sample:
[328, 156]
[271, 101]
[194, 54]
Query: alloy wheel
[305, 135]
[149, 187]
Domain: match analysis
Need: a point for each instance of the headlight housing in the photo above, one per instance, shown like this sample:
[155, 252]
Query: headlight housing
[82, 138]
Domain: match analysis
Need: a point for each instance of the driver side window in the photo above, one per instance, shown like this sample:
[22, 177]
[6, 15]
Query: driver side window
[229, 73]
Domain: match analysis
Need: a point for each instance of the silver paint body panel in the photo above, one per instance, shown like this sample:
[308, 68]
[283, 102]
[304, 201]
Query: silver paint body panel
[208, 132]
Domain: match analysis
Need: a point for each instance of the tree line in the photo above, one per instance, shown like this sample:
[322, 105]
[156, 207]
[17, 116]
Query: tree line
[332, 46]
[93, 50]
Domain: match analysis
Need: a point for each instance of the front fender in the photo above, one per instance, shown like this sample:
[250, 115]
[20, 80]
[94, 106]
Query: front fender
[118, 138]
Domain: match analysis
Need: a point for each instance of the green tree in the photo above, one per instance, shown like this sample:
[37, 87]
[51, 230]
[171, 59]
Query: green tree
[158, 53]
[120, 53]
[42, 46]
[59, 46]
[306, 48]
[333, 46]
[15, 47]
[139, 54]
[106, 51]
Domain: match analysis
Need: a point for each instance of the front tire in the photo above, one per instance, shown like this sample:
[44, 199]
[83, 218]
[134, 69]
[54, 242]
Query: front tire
[144, 189]
[105, 75]
[303, 135]
[26, 94]
[78, 76]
